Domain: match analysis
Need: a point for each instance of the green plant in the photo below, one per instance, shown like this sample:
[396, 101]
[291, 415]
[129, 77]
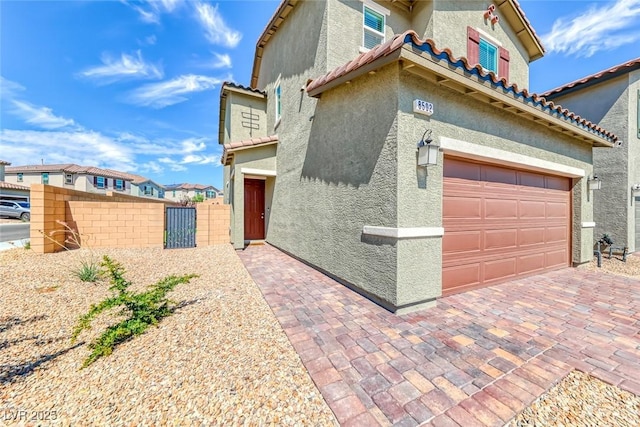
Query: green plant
[89, 271]
[141, 309]
[27, 245]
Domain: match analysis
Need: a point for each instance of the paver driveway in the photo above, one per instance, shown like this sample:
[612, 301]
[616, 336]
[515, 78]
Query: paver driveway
[477, 358]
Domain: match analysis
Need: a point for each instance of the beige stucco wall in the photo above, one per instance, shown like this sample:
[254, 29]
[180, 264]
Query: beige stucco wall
[55, 178]
[450, 21]
[236, 126]
[613, 105]
[262, 158]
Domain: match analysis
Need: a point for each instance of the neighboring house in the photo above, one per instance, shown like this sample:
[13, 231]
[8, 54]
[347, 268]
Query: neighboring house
[9, 191]
[343, 92]
[144, 187]
[83, 178]
[177, 192]
[611, 98]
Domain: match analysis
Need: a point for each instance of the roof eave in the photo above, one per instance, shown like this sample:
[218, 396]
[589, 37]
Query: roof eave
[514, 14]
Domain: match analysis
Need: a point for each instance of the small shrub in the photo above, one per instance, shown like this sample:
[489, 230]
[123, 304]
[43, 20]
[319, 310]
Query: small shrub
[27, 245]
[89, 271]
[142, 309]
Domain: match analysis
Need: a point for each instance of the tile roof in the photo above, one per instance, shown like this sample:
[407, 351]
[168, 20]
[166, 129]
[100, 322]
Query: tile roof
[247, 143]
[73, 168]
[241, 87]
[286, 6]
[603, 75]
[3, 162]
[429, 46]
[187, 186]
[10, 186]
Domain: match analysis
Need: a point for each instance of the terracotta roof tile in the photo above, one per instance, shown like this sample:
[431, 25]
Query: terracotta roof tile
[241, 87]
[187, 186]
[40, 168]
[231, 147]
[10, 186]
[436, 54]
[604, 74]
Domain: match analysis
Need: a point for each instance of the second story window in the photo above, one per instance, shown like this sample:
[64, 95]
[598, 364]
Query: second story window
[99, 182]
[148, 191]
[45, 177]
[278, 98]
[211, 194]
[68, 178]
[488, 56]
[119, 184]
[373, 26]
[20, 177]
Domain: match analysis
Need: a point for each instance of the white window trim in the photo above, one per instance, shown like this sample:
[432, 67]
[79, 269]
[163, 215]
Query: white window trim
[497, 55]
[278, 115]
[470, 150]
[379, 9]
[259, 172]
[489, 38]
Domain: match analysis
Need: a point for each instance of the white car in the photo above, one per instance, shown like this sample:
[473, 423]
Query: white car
[13, 209]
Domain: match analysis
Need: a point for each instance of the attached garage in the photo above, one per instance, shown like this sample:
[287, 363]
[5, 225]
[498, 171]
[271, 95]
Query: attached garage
[501, 223]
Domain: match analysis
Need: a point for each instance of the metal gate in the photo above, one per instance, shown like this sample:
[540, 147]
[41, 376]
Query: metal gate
[180, 229]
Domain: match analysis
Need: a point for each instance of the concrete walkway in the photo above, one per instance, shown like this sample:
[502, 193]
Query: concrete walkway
[476, 359]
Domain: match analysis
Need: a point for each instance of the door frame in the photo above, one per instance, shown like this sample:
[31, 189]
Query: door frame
[262, 186]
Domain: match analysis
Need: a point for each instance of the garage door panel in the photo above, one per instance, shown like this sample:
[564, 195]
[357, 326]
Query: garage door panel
[462, 241]
[556, 234]
[557, 210]
[558, 258]
[500, 239]
[512, 223]
[496, 208]
[462, 275]
[530, 263]
[461, 207]
[531, 236]
[504, 268]
[532, 209]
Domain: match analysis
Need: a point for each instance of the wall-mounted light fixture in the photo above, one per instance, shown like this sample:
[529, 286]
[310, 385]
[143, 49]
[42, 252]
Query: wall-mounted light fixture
[427, 150]
[635, 190]
[594, 183]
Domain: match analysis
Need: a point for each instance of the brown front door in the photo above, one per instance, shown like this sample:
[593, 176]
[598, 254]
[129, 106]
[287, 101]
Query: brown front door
[253, 209]
[501, 223]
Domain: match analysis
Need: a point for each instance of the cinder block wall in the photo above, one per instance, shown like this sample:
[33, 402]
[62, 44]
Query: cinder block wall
[213, 224]
[113, 220]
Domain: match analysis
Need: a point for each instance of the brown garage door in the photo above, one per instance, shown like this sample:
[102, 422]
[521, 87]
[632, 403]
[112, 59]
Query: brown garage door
[501, 223]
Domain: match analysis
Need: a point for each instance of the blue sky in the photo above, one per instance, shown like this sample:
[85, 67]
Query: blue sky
[134, 85]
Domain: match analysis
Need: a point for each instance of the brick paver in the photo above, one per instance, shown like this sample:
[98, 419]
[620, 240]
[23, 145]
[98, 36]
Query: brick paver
[476, 358]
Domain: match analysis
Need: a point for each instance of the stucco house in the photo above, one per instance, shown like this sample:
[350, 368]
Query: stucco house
[394, 146]
[10, 191]
[84, 178]
[611, 98]
[178, 192]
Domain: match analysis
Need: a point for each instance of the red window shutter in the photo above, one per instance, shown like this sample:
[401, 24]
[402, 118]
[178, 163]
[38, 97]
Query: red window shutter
[503, 64]
[473, 46]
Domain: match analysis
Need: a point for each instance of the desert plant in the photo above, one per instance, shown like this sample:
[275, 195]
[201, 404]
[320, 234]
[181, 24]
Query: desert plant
[141, 309]
[89, 269]
[27, 245]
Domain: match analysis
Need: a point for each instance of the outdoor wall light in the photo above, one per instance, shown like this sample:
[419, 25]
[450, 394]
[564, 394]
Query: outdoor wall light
[635, 190]
[427, 150]
[594, 183]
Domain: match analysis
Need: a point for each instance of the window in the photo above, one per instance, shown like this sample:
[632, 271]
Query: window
[68, 178]
[373, 27]
[45, 177]
[99, 181]
[174, 193]
[278, 94]
[488, 56]
[20, 177]
[119, 184]
[148, 191]
[211, 194]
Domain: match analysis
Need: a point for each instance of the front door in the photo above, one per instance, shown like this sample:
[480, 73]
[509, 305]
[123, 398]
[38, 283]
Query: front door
[253, 209]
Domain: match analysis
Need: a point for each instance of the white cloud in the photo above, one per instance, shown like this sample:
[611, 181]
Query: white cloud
[39, 116]
[596, 30]
[125, 67]
[80, 146]
[150, 166]
[221, 61]
[148, 41]
[151, 10]
[174, 91]
[216, 30]
[9, 89]
[200, 159]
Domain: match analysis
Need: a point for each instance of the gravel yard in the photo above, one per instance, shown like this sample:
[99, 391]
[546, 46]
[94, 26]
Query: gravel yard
[615, 265]
[582, 400]
[221, 358]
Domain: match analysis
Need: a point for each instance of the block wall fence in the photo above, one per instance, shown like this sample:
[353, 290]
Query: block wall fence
[113, 220]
